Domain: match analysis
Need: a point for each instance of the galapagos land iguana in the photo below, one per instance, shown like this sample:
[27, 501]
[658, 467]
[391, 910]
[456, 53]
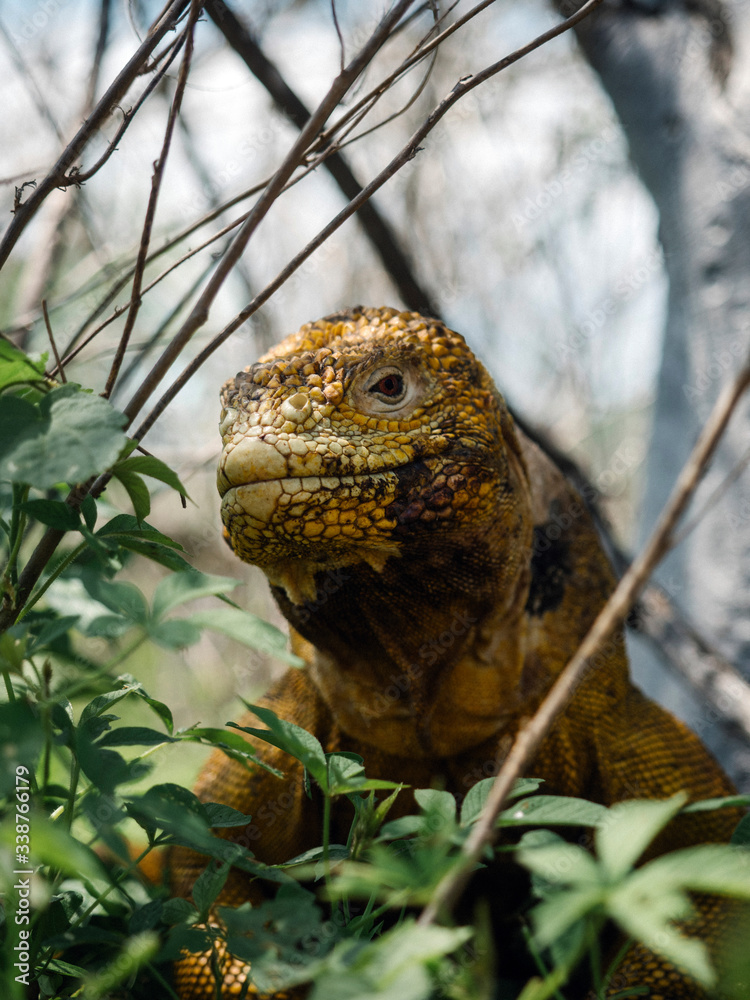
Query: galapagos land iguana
[437, 572]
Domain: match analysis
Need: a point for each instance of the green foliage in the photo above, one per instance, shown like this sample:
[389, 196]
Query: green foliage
[341, 917]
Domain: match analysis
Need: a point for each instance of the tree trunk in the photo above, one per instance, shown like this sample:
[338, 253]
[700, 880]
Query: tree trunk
[677, 75]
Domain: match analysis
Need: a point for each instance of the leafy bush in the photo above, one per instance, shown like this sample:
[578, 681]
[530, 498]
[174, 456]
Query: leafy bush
[78, 922]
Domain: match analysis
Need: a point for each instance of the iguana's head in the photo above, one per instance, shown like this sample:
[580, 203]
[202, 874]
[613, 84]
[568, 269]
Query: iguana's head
[357, 440]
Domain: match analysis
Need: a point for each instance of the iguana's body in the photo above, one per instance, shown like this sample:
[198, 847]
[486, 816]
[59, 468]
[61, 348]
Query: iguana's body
[438, 572]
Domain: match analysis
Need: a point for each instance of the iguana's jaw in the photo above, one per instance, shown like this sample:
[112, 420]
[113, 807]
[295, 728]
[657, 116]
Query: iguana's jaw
[295, 528]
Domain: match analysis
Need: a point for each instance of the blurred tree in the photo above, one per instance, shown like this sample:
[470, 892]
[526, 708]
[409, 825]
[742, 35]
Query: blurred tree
[676, 71]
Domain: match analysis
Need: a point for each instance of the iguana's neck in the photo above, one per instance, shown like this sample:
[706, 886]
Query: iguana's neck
[423, 657]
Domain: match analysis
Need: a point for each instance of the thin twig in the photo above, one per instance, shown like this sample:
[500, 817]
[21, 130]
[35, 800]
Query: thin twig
[407, 153]
[156, 180]
[99, 50]
[58, 175]
[337, 26]
[417, 55]
[294, 157]
[612, 616]
[376, 228]
[47, 323]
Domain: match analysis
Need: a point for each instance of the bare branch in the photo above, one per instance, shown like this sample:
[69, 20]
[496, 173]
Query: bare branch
[156, 180]
[51, 336]
[377, 229]
[294, 157]
[58, 175]
[407, 152]
[612, 615]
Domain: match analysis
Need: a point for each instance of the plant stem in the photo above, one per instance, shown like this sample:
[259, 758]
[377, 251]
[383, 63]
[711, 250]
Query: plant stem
[17, 528]
[71, 557]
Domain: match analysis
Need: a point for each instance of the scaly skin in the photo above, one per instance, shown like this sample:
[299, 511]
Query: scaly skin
[438, 572]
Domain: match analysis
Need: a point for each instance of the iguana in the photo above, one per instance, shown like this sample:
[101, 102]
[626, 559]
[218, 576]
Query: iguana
[437, 572]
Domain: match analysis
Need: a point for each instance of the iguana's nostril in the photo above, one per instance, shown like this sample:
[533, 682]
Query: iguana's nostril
[297, 408]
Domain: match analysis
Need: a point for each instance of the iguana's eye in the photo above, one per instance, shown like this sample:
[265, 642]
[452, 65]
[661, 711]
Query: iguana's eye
[391, 386]
[390, 389]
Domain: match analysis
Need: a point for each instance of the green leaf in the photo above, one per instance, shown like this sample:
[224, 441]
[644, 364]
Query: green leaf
[135, 952]
[136, 489]
[725, 802]
[51, 844]
[104, 768]
[439, 805]
[65, 968]
[647, 916]
[404, 826]
[70, 436]
[21, 739]
[148, 465]
[629, 827]
[220, 815]
[135, 736]
[102, 701]
[558, 913]
[475, 798]
[292, 739]
[716, 868]
[247, 628]
[88, 509]
[232, 744]
[175, 634]
[561, 864]
[125, 524]
[741, 835]
[50, 630]
[554, 810]
[161, 554]
[175, 911]
[184, 819]
[392, 966]
[53, 513]
[209, 884]
[346, 775]
[17, 367]
[128, 532]
[278, 936]
[178, 588]
[158, 707]
[124, 599]
[182, 938]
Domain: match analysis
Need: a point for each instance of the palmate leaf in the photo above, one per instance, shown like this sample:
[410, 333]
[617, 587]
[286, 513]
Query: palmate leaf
[391, 967]
[628, 829]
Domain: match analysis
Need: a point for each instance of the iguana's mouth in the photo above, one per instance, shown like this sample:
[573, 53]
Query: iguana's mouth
[320, 501]
[253, 460]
